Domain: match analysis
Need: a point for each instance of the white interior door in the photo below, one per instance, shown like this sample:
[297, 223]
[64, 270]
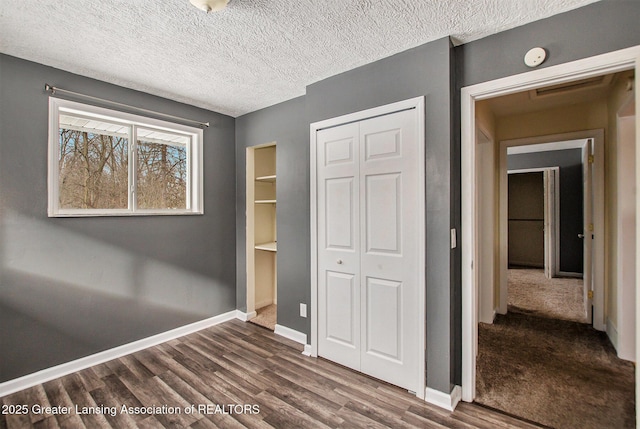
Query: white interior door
[368, 197]
[550, 222]
[587, 234]
[339, 245]
[389, 263]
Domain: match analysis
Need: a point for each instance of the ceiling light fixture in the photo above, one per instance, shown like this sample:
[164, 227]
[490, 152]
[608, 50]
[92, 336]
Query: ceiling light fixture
[210, 5]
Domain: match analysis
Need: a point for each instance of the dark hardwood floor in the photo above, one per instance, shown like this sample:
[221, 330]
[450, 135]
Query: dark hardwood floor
[247, 377]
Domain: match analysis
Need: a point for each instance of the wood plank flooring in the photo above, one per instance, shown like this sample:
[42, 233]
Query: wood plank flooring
[255, 378]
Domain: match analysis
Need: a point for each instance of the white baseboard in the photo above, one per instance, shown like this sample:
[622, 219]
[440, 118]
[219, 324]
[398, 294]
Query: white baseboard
[443, 400]
[524, 264]
[292, 334]
[30, 380]
[245, 316]
[612, 333]
[307, 350]
[569, 274]
[283, 331]
[491, 319]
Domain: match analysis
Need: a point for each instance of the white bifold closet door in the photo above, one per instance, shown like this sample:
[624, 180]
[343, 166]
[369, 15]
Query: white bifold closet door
[368, 246]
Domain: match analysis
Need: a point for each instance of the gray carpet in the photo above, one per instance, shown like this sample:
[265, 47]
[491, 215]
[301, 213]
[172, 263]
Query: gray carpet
[558, 373]
[530, 292]
[266, 317]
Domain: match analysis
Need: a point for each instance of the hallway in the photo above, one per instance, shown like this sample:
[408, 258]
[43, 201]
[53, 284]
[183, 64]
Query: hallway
[530, 292]
[543, 362]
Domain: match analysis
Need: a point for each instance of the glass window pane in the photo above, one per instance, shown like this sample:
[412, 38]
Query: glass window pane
[161, 170]
[93, 164]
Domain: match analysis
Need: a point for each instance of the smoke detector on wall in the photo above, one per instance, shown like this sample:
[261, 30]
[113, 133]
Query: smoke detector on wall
[210, 5]
[534, 57]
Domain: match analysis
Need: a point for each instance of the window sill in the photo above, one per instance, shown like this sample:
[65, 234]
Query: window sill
[125, 213]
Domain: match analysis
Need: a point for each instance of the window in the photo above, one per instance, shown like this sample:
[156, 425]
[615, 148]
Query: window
[104, 163]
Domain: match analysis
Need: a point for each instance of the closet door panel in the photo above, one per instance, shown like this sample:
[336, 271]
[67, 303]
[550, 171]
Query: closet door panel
[383, 213]
[389, 168]
[339, 245]
[384, 319]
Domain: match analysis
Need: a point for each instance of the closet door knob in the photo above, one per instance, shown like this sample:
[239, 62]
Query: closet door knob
[339, 261]
[580, 235]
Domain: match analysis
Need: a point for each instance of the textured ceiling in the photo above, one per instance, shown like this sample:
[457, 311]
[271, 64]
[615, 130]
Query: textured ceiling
[251, 55]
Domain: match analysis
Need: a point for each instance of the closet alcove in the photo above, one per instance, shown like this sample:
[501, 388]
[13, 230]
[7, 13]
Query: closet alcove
[262, 244]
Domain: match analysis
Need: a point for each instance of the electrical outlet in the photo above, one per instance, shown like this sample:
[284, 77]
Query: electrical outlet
[303, 310]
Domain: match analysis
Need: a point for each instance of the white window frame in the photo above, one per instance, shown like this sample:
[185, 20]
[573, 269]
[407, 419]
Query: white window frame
[195, 194]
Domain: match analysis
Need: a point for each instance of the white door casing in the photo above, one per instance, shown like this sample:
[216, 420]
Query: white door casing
[339, 244]
[572, 140]
[551, 221]
[368, 240]
[486, 227]
[627, 201]
[593, 194]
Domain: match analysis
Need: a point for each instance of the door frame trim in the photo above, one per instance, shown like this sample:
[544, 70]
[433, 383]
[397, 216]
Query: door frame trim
[619, 331]
[571, 140]
[417, 103]
[611, 62]
[551, 235]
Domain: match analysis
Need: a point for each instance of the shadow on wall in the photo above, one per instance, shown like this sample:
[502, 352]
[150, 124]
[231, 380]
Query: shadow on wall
[37, 248]
[46, 323]
[64, 296]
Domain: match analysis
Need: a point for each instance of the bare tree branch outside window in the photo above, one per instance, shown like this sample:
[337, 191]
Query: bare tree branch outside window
[110, 163]
[93, 170]
[162, 176]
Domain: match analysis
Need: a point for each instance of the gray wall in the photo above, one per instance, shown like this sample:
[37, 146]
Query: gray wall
[422, 71]
[286, 125]
[570, 163]
[595, 29]
[71, 287]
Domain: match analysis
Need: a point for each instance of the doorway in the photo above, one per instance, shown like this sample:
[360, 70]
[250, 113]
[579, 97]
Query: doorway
[471, 259]
[571, 207]
[574, 253]
[536, 241]
[367, 223]
[541, 349]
